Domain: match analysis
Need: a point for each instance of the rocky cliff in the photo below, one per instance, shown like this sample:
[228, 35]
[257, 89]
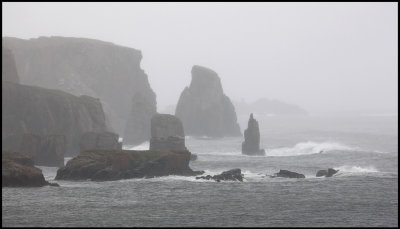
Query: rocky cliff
[204, 108]
[30, 109]
[8, 67]
[91, 67]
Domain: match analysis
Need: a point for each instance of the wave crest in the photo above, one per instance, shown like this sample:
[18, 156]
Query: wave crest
[309, 147]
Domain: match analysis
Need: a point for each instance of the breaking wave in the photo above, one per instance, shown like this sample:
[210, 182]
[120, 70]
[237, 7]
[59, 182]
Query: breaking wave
[143, 146]
[309, 147]
[357, 169]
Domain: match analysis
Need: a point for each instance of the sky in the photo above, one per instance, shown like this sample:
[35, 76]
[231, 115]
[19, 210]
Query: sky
[324, 57]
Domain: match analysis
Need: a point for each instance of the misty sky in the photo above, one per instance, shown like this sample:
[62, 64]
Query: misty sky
[324, 57]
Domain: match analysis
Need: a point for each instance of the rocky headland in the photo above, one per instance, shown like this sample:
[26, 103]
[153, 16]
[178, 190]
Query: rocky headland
[94, 68]
[45, 112]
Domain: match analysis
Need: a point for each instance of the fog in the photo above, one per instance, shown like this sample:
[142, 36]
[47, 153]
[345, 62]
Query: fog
[324, 57]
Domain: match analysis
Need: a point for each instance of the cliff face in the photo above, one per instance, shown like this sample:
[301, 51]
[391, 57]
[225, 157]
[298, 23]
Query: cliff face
[203, 107]
[138, 125]
[8, 68]
[80, 66]
[30, 109]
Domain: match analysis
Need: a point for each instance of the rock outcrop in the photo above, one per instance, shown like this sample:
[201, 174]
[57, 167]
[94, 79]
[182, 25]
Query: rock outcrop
[167, 133]
[251, 144]
[103, 140]
[103, 165]
[90, 67]
[326, 173]
[289, 174]
[18, 171]
[203, 107]
[232, 175]
[48, 150]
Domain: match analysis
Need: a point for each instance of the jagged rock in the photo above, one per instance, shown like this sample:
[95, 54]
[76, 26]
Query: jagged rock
[18, 171]
[103, 140]
[251, 144]
[233, 174]
[289, 174]
[90, 67]
[167, 133]
[326, 173]
[8, 70]
[138, 125]
[203, 107]
[102, 165]
[46, 150]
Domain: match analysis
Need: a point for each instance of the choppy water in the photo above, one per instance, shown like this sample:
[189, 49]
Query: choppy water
[363, 193]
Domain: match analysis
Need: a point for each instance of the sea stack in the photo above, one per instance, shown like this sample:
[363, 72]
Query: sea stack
[204, 108]
[251, 144]
[167, 133]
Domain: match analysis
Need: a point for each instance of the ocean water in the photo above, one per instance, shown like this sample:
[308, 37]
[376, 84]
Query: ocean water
[363, 193]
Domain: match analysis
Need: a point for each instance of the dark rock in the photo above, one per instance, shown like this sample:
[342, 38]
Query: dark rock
[167, 133]
[327, 173]
[103, 140]
[91, 67]
[233, 175]
[102, 165]
[289, 174]
[203, 107]
[251, 144]
[18, 171]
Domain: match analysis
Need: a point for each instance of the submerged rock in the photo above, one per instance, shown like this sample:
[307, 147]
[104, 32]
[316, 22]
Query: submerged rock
[204, 108]
[18, 171]
[233, 175]
[289, 174]
[103, 165]
[251, 144]
[327, 173]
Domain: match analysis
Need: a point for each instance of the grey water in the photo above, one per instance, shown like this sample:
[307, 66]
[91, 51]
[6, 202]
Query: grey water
[364, 192]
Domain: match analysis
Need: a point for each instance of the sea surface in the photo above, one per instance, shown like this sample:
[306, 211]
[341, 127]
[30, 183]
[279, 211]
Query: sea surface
[364, 193]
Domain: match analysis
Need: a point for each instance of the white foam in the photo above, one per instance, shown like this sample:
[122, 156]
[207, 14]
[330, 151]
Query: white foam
[357, 169]
[143, 146]
[309, 147]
